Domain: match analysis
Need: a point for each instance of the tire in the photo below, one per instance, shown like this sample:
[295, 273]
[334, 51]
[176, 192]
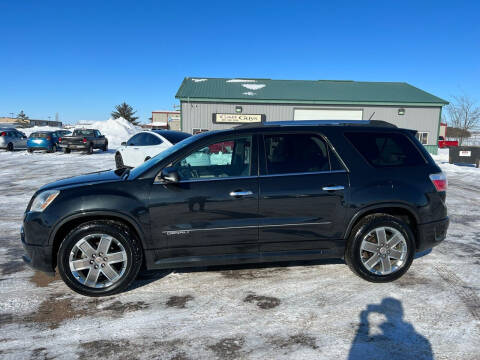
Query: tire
[90, 149]
[105, 147]
[10, 147]
[119, 161]
[30, 151]
[357, 257]
[66, 150]
[123, 244]
[53, 149]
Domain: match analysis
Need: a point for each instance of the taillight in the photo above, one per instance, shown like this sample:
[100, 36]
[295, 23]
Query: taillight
[84, 140]
[3, 133]
[440, 181]
[49, 138]
[59, 140]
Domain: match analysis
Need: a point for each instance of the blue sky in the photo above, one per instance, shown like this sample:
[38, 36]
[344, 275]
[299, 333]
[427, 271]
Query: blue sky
[81, 58]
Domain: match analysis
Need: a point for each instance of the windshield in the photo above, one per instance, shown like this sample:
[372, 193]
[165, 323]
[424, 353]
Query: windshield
[83, 133]
[164, 154]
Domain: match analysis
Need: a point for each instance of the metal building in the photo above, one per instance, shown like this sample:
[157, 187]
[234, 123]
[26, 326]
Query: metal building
[219, 103]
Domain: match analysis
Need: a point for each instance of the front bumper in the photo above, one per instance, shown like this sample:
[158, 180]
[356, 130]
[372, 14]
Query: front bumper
[37, 257]
[431, 234]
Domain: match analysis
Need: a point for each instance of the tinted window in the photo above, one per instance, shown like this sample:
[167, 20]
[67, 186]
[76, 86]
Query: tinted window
[83, 132]
[174, 136]
[151, 140]
[227, 158]
[39, 135]
[295, 153]
[134, 140]
[384, 150]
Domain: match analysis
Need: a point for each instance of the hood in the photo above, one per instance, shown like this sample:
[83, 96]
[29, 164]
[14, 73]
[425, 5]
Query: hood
[87, 179]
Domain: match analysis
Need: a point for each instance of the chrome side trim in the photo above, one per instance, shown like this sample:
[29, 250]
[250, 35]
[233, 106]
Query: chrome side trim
[183, 231]
[305, 173]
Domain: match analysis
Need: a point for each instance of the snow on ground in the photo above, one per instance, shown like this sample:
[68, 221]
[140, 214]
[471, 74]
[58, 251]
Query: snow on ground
[308, 310]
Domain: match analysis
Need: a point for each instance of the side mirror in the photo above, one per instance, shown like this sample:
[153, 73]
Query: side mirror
[24, 137]
[170, 175]
[123, 143]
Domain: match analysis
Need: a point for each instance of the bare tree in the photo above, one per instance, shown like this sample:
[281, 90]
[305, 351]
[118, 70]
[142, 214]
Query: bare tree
[464, 114]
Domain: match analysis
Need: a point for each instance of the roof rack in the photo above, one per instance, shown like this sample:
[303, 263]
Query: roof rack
[379, 123]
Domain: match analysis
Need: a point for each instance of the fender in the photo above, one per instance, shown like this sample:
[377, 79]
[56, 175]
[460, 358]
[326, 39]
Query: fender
[366, 209]
[127, 218]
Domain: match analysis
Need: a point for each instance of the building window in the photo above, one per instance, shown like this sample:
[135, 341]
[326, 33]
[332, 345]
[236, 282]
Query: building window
[422, 137]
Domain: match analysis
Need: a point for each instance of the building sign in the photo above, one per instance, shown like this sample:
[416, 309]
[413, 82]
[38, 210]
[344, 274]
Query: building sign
[237, 118]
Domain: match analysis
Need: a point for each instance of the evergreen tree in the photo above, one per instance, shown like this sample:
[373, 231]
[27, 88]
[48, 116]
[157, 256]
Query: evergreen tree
[21, 116]
[125, 111]
[22, 119]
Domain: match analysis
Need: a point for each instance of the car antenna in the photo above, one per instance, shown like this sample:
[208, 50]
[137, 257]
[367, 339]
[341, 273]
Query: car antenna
[371, 116]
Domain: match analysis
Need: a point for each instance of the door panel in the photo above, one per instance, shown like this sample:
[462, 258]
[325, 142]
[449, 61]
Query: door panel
[297, 214]
[302, 191]
[213, 209]
[201, 217]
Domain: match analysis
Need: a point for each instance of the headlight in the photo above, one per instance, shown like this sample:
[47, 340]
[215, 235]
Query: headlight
[44, 199]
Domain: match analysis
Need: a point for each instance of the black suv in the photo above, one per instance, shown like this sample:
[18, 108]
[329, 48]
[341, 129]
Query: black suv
[369, 193]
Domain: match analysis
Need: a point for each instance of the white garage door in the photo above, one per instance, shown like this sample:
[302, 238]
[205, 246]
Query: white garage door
[327, 114]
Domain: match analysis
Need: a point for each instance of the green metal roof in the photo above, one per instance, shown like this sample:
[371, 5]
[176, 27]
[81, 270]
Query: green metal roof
[304, 91]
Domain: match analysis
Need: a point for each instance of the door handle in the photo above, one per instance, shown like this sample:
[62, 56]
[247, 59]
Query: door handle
[240, 193]
[333, 188]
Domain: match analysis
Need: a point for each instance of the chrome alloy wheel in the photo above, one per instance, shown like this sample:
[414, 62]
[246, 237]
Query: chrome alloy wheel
[98, 260]
[383, 250]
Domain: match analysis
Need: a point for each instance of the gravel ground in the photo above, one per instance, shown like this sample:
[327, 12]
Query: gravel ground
[311, 310]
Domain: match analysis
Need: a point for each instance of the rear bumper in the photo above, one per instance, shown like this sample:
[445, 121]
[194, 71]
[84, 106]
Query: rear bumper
[431, 234]
[74, 146]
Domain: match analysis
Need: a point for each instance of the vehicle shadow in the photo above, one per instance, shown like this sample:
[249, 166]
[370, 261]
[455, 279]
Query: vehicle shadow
[397, 340]
[148, 276]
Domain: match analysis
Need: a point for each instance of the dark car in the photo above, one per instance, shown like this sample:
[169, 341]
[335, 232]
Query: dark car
[275, 192]
[84, 139]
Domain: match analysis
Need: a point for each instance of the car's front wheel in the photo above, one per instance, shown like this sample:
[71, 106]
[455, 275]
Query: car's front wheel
[10, 147]
[119, 161]
[380, 248]
[99, 258]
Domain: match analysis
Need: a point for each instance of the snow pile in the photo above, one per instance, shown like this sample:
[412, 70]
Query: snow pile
[115, 130]
[199, 80]
[253, 86]
[33, 129]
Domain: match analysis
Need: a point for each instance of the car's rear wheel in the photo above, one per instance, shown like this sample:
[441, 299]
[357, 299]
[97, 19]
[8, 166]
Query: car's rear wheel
[66, 150]
[53, 148]
[10, 147]
[105, 147]
[380, 248]
[99, 258]
[90, 149]
[30, 150]
[119, 161]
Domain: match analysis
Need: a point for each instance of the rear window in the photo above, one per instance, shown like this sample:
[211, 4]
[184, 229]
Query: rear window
[386, 149]
[174, 137]
[83, 133]
[39, 135]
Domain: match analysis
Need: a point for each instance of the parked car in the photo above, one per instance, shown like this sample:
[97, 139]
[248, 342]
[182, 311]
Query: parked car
[442, 143]
[290, 191]
[84, 139]
[145, 145]
[43, 140]
[12, 139]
